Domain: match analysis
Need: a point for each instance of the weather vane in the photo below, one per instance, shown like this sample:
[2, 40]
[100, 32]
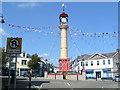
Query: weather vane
[63, 6]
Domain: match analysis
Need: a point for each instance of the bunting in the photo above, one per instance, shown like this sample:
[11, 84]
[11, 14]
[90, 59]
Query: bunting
[77, 33]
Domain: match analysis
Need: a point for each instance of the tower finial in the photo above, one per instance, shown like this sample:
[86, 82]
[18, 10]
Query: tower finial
[63, 6]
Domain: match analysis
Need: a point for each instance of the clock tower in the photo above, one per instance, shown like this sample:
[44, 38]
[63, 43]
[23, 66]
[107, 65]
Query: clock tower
[64, 61]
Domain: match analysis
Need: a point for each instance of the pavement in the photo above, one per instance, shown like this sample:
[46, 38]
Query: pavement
[40, 83]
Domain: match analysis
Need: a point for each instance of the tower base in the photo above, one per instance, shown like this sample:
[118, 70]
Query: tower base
[64, 65]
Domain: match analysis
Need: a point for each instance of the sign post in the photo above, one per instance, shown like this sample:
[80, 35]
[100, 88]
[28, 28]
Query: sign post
[9, 72]
[13, 47]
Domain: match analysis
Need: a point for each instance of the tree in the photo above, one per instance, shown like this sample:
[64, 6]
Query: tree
[33, 63]
[5, 57]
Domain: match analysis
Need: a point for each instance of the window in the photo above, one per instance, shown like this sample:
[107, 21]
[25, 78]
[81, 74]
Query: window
[24, 62]
[103, 62]
[23, 54]
[91, 63]
[86, 63]
[97, 62]
[108, 61]
[81, 64]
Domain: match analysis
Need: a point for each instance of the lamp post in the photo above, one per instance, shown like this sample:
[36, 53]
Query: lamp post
[83, 66]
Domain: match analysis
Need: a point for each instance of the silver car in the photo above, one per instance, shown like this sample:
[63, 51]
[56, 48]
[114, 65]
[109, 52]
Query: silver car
[116, 78]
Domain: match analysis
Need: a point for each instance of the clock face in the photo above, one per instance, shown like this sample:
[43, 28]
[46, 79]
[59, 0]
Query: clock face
[64, 20]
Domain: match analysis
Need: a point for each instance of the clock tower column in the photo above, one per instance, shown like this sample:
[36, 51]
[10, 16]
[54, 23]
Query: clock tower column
[64, 61]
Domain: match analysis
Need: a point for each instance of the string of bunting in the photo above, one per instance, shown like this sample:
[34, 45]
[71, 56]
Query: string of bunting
[76, 33]
[89, 43]
[30, 28]
[80, 33]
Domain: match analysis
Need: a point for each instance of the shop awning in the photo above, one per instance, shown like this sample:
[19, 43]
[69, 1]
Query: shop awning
[97, 71]
[89, 70]
[106, 69]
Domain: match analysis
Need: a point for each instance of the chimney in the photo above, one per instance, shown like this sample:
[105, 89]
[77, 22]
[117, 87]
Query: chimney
[117, 50]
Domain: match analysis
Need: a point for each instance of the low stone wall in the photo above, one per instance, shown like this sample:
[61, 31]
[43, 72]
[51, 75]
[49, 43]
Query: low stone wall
[69, 76]
[83, 75]
[51, 76]
[45, 74]
[72, 76]
[80, 77]
[59, 76]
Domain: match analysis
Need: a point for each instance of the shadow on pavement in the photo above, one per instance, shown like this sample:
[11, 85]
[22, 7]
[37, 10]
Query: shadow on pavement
[22, 83]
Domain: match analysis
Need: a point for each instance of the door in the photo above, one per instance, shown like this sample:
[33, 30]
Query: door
[98, 75]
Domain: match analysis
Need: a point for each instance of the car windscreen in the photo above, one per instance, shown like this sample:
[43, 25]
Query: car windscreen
[117, 76]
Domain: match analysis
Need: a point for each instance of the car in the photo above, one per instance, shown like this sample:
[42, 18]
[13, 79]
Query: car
[116, 78]
[25, 74]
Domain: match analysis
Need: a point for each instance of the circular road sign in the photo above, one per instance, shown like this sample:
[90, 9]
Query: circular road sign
[14, 43]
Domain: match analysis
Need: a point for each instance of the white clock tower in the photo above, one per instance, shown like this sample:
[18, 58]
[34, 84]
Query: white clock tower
[64, 61]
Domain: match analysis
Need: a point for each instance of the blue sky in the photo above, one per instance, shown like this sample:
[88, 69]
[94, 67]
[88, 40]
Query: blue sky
[88, 17]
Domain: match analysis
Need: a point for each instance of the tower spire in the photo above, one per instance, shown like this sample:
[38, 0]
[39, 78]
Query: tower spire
[63, 6]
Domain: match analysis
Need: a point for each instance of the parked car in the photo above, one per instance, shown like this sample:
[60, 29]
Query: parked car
[116, 78]
[25, 74]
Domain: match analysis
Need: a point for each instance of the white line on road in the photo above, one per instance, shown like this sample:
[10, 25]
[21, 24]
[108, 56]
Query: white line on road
[68, 84]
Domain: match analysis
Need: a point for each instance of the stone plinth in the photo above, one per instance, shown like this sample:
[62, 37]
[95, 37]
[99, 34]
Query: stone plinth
[59, 76]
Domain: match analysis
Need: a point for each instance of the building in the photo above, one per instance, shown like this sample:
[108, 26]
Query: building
[97, 65]
[22, 62]
[45, 66]
[56, 69]
[22, 65]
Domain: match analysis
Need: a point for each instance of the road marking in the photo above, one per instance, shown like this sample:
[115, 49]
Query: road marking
[68, 84]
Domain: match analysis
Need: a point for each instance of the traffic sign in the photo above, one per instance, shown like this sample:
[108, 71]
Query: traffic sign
[14, 45]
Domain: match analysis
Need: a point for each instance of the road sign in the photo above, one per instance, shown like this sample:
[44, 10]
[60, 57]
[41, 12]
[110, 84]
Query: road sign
[14, 45]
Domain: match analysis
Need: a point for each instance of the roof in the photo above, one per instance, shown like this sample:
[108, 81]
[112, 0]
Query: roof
[86, 56]
[109, 55]
[63, 14]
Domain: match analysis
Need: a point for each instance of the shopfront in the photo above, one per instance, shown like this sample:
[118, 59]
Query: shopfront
[89, 73]
[106, 73]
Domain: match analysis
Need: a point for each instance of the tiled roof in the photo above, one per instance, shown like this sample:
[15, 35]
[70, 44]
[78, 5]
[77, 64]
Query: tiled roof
[109, 55]
[86, 56]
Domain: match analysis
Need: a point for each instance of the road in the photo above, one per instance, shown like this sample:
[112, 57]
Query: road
[72, 85]
[43, 84]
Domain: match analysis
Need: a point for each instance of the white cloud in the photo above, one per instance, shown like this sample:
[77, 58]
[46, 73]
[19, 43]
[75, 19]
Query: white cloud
[3, 33]
[29, 4]
[45, 55]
